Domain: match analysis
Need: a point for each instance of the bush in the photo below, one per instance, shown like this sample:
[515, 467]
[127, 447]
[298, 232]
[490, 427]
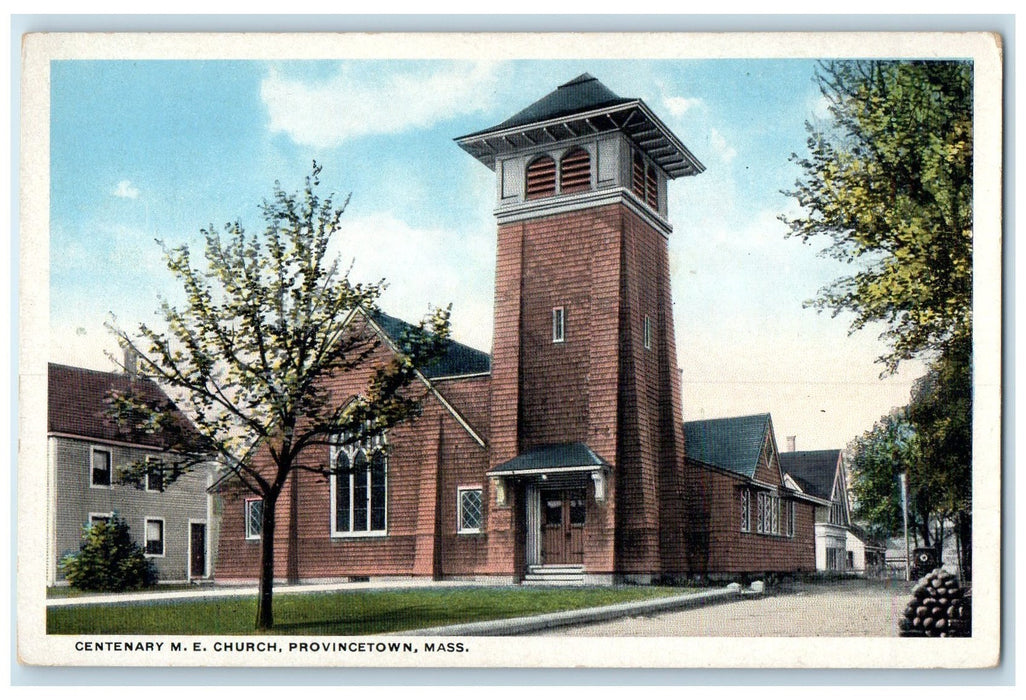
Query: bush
[109, 560]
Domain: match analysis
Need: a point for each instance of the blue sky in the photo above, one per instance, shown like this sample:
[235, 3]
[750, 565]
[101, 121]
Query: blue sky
[158, 149]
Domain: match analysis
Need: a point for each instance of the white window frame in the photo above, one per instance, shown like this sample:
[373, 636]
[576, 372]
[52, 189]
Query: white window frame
[461, 528]
[100, 516]
[790, 521]
[150, 462]
[647, 333]
[163, 537]
[768, 517]
[559, 324]
[376, 444]
[746, 510]
[247, 504]
[93, 449]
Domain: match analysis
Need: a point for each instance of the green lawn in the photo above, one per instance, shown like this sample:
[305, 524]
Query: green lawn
[346, 613]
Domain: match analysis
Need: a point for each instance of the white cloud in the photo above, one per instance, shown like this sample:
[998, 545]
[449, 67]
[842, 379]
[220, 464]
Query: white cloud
[724, 150]
[679, 105]
[325, 114]
[126, 190]
[422, 267]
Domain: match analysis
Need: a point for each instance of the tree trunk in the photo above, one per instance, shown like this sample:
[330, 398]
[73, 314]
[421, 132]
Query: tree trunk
[964, 533]
[265, 610]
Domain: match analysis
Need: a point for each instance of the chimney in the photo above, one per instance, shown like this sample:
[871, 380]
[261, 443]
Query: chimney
[131, 362]
[790, 442]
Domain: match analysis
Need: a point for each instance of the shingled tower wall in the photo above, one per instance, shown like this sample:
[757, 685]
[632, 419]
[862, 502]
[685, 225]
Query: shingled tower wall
[582, 238]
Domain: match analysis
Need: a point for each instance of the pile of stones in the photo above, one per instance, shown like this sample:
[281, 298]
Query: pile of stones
[939, 608]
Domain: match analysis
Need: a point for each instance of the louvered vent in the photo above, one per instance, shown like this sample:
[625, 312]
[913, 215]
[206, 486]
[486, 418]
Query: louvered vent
[575, 171]
[638, 176]
[651, 188]
[541, 177]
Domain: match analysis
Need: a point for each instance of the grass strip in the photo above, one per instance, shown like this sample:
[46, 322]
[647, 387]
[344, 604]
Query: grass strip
[339, 613]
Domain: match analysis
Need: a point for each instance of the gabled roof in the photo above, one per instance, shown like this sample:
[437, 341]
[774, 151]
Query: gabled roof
[552, 458]
[581, 107]
[734, 444]
[458, 359]
[813, 470]
[77, 403]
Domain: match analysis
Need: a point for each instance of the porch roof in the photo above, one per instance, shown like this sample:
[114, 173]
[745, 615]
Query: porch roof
[566, 457]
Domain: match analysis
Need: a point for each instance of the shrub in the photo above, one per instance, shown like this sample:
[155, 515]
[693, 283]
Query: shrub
[108, 560]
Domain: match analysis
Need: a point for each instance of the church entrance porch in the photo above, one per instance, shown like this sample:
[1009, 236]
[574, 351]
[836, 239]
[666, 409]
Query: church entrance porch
[561, 492]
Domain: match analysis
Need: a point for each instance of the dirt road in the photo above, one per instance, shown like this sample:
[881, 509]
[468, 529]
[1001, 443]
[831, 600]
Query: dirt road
[848, 609]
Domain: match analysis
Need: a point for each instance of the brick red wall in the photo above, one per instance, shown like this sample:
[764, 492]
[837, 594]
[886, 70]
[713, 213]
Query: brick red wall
[717, 543]
[428, 459]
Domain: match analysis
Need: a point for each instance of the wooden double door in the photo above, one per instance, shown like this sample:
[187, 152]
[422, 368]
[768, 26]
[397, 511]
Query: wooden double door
[562, 526]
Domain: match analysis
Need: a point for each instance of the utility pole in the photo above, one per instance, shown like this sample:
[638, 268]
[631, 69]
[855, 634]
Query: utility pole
[904, 517]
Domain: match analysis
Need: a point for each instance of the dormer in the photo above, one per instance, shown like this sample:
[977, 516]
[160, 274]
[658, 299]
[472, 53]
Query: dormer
[581, 145]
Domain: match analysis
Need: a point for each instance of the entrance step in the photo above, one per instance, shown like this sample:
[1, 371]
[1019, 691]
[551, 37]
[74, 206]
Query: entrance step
[555, 575]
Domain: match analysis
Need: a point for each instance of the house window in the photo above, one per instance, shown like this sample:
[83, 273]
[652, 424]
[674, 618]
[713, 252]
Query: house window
[99, 470]
[359, 488]
[154, 537]
[558, 325]
[541, 177]
[647, 334]
[791, 516]
[254, 518]
[154, 475]
[469, 499]
[575, 171]
[746, 510]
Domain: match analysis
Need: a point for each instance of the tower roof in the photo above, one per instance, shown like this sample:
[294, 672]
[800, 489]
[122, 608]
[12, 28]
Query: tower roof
[577, 108]
[581, 94]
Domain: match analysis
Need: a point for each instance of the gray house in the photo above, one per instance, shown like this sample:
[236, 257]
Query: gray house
[173, 523]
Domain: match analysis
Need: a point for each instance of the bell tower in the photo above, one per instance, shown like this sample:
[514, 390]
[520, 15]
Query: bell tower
[586, 436]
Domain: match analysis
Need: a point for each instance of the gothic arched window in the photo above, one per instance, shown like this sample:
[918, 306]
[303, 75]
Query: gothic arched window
[359, 487]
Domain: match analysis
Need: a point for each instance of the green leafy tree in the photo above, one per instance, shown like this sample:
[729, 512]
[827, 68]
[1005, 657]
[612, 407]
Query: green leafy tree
[941, 411]
[265, 322]
[108, 560]
[876, 461]
[889, 182]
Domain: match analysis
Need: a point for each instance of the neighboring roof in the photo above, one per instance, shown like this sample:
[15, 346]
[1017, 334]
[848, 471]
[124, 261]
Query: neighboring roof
[77, 403]
[565, 457]
[458, 359]
[583, 106]
[734, 444]
[813, 470]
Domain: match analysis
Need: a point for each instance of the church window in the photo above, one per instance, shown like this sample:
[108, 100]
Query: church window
[558, 325]
[469, 499]
[647, 334]
[359, 487]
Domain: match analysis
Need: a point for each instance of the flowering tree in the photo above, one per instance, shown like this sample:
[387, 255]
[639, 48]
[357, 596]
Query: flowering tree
[265, 321]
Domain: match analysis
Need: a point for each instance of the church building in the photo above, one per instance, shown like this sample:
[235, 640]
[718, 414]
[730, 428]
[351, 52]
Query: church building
[562, 455]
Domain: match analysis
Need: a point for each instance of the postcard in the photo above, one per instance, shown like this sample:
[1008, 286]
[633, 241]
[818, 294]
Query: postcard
[510, 350]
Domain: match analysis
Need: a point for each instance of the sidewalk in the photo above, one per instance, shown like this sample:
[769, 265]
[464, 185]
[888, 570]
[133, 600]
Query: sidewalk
[211, 592]
[586, 616]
